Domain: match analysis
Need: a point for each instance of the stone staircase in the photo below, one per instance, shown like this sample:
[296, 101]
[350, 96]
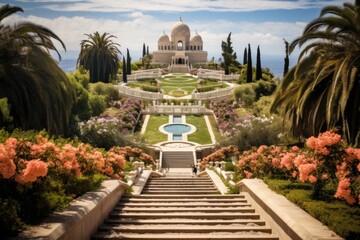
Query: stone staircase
[183, 207]
[177, 159]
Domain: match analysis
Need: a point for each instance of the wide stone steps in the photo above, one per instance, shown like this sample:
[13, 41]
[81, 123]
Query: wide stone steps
[183, 208]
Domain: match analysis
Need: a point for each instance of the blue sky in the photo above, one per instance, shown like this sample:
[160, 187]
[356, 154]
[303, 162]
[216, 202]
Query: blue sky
[134, 22]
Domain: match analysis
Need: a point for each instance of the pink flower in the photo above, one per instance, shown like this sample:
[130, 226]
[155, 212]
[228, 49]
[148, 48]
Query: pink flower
[7, 155]
[312, 179]
[248, 174]
[34, 169]
[344, 192]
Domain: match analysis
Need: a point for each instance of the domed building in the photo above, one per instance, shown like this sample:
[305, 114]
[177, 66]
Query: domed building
[180, 51]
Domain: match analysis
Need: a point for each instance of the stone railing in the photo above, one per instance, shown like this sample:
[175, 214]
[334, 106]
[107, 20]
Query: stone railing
[144, 74]
[220, 93]
[218, 76]
[140, 94]
[177, 109]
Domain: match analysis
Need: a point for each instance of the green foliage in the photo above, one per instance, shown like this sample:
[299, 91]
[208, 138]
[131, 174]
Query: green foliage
[245, 94]
[10, 223]
[229, 166]
[5, 116]
[338, 216]
[81, 108]
[100, 55]
[97, 104]
[109, 91]
[80, 75]
[256, 132]
[37, 89]
[149, 88]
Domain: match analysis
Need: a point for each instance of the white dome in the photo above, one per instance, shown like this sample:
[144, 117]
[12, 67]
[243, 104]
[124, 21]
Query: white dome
[164, 38]
[196, 38]
[180, 29]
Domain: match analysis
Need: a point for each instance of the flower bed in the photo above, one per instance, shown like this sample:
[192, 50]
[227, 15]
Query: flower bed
[226, 115]
[39, 175]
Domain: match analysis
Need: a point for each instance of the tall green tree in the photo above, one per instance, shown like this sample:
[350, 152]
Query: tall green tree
[322, 91]
[147, 50]
[249, 73]
[144, 50]
[286, 59]
[38, 92]
[245, 57]
[230, 58]
[128, 62]
[258, 64]
[101, 56]
[124, 73]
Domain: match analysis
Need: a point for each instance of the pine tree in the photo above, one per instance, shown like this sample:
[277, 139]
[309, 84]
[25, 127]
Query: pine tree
[286, 59]
[147, 50]
[128, 62]
[144, 50]
[249, 66]
[245, 57]
[228, 54]
[258, 65]
[124, 71]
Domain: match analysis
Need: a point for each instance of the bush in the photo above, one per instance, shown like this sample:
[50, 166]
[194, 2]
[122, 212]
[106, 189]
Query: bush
[97, 104]
[245, 94]
[150, 88]
[41, 175]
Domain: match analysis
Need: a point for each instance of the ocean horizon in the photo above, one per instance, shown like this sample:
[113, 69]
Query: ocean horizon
[274, 63]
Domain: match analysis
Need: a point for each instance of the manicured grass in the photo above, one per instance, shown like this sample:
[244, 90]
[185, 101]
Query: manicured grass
[152, 134]
[202, 135]
[214, 128]
[337, 215]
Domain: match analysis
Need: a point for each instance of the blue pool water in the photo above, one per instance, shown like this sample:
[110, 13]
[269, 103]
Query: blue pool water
[177, 128]
[177, 119]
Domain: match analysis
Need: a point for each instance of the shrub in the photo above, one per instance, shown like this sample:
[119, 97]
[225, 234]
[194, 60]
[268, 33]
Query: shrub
[97, 104]
[38, 175]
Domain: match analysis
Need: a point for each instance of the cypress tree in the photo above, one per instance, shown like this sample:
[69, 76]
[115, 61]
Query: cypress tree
[286, 59]
[147, 50]
[258, 65]
[144, 50]
[128, 62]
[249, 66]
[124, 71]
[245, 57]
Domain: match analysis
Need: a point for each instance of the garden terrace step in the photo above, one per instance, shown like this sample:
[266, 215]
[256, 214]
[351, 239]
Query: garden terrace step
[176, 192]
[177, 228]
[166, 221]
[178, 186]
[179, 196]
[185, 215]
[182, 204]
[186, 236]
[183, 200]
[185, 209]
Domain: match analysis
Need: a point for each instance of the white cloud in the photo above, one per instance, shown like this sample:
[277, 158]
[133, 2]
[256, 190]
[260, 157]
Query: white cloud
[181, 6]
[140, 28]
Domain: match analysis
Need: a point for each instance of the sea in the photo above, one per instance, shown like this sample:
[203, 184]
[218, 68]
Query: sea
[274, 63]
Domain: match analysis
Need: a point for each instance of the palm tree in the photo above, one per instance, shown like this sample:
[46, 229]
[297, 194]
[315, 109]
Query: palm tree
[323, 90]
[39, 94]
[100, 55]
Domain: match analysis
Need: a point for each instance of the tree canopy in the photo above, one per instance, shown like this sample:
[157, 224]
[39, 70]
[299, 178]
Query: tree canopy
[100, 55]
[322, 91]
[39, 94]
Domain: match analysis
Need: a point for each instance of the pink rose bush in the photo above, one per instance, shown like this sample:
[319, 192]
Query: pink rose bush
[222, 154]
[324, 158]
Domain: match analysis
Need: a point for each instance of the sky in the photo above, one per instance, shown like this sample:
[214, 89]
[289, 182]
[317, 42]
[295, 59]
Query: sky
[134, 22]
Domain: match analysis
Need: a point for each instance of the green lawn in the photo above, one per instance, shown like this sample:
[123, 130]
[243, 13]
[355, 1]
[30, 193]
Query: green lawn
[202, 135]
[152, 134]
